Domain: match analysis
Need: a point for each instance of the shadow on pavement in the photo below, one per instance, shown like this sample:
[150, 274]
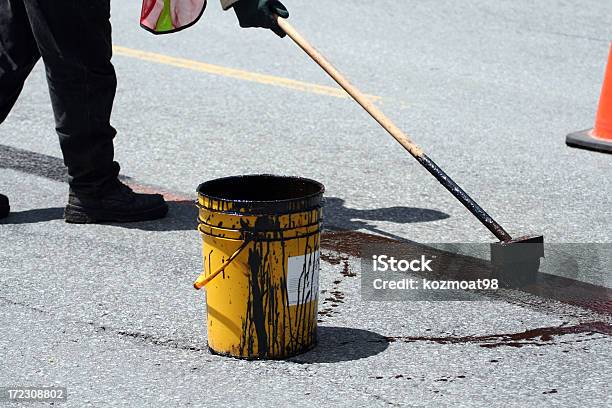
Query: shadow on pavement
[339, 217]
[337, 344]
[183, 216]
[34, 216]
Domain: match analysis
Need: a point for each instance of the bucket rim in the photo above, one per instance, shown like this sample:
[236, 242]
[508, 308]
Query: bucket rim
[320, 188]
[310, 201]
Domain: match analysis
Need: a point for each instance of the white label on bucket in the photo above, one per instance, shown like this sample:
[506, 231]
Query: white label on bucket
[303, 278]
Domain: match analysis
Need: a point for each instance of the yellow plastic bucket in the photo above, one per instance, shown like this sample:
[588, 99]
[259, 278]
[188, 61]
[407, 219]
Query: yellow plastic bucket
[260, 247]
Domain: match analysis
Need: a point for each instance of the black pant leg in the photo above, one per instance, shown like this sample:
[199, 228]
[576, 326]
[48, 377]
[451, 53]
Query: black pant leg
[18, 53]
[74, 39]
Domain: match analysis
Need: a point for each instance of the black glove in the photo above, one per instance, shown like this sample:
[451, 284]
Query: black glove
[258, 13]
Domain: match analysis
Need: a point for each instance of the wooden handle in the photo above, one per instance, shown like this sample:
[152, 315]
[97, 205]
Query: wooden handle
[355, 93]
[397, 134]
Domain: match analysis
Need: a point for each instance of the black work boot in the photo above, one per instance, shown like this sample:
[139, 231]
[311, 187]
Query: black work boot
[5, 208]
[120, 204]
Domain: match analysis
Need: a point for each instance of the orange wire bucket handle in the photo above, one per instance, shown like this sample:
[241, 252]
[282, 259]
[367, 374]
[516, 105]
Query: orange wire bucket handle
[204, 280]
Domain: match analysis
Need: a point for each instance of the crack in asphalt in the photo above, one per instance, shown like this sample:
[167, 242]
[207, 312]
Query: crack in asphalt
[22, 304]
[104, 329]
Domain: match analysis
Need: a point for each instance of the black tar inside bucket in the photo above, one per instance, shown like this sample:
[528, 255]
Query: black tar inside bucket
[263, 193]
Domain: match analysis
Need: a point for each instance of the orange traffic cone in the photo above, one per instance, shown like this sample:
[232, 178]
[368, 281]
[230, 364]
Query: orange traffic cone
[600, 137]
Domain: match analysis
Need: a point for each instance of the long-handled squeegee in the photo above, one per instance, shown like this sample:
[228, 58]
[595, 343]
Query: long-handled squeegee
[506, 252]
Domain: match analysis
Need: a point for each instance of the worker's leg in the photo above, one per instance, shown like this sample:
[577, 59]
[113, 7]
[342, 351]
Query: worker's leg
[5, 208]
[74, 39]
[18, 53]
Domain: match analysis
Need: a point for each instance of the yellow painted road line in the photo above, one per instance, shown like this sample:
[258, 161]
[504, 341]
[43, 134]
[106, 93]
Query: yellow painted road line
[234, 73]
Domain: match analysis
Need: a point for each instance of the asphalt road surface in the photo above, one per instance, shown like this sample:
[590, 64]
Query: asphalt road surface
[488, 88]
